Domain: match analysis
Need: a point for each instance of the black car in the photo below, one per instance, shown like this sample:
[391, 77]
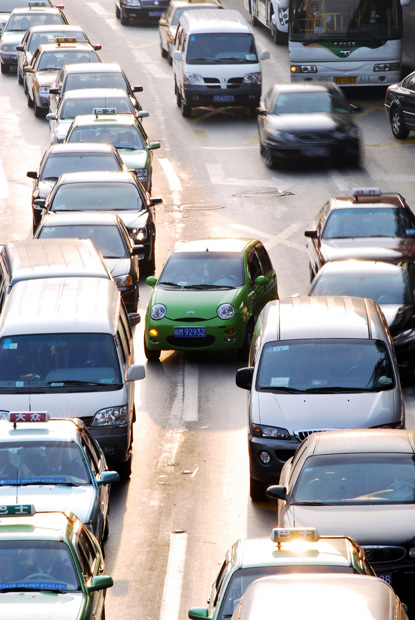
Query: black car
[366, 224]
[108, 232]
[399, 106]
[309, 121]
[117, 192]
[140, 10]
[61, 158]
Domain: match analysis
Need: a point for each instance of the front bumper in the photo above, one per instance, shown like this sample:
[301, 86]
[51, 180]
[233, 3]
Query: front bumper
[338, 150]
[279, 450]
[144, 13]
[115, 441]
[242, 95]
[9, 58]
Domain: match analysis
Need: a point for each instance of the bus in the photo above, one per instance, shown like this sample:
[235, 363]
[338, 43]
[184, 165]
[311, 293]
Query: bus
[270, 14]
[349, 42]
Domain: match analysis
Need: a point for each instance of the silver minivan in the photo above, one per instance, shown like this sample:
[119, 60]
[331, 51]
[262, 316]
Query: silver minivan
[316, 363]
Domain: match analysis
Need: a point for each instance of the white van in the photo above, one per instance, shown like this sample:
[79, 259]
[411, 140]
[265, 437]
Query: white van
[66, 347]
[215, 61]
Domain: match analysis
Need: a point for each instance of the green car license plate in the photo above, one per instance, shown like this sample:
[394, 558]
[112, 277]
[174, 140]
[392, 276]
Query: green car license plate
[190, 332]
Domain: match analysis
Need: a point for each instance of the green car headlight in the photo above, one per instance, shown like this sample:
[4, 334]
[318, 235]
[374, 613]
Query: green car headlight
[157, 312]
[225, 311]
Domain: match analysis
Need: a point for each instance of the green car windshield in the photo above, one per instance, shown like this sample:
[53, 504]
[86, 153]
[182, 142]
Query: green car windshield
[204, 270]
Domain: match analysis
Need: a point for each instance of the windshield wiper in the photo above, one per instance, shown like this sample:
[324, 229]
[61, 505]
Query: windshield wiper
[337, 389]
[312, 504]
[74, 382]
[206, 286]
[171, 284]
[49, 179]
[280, 388]
[234, 60]
[128, 147]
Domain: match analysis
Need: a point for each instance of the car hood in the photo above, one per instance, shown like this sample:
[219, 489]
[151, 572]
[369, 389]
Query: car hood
[13, 37]
[379, 248]
[41, 605]
[45, 497]
[312, 412]
[44, 187]
[311, 123]
[368, 524]
[194, 303]
[45, 78]
[134, 159]
[118, 266]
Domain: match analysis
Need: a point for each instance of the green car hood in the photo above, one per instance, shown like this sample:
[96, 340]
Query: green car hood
[41, 605]
[134, 159]
[13, 37]
[195, 303]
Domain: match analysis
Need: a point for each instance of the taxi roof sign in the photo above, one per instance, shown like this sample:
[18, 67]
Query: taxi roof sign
[28, 416]
[15, 510]
[104, 111]
[37, 3]
[59, 40]
[290, 534]
[366, 191]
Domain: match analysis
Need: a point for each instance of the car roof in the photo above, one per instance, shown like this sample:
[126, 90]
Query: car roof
[215, 20]
[89, 93]
[53, 27]
[361, 441]
[225, 244]
[186, 3]
[85, 218]
[101, 67]
[61, 305]
[322, 317]
[83, 46]
[124, 119]
[54, 430]
[42, 526]
[308, 87]
[352, 266]
[96, 177]
[49, 258]
[367, 202]
[36, 9]
[81, 147]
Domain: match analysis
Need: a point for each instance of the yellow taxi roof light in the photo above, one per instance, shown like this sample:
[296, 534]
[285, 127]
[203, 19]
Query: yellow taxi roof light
[60, 40]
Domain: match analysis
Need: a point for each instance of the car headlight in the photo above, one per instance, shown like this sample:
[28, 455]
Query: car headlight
[158, 311]
[131, 2]
[281, 137]
[111, 416]
[8, 48]
[225, 311]
[193, 79]
[270, 432]
[138, 234]
[44, 90]
[122, 281]
[142, 173]
[252, 78]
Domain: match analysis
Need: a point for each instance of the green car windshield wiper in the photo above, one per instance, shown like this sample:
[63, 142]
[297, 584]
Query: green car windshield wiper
[206, 286]
[170, 284]
[128, 147]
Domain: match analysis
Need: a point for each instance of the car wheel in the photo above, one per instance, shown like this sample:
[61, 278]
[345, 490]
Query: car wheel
[257, 490]
[311, 272]
[117, 12]
[39, 113]
[278, 37]
[19, 77]
[29, 100]
[398, 125]
[149, 265]
[186, 110]
[164, 54]
[178, 98]
[24, 87]
[266, 156]
[124, 19]
[124, 469]
[169, 58]
[243, 353]
[152, 356]
[5, 68]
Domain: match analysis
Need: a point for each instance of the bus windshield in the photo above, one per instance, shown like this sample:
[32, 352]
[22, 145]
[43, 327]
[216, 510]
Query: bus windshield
[376, 20]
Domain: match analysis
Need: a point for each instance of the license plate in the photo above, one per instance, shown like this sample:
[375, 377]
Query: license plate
[190, 332]
[155, 13]
[318, 151]
[386, 577]
[345, 80]
[223, 98]
[13, 57]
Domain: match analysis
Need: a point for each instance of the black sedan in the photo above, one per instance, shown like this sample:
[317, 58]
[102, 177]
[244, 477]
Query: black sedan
[118, 192]
[367, 224]
[308, 121]
[108, 232]
[360, 483]
[391, 285]
[61, 158]
[399, 106]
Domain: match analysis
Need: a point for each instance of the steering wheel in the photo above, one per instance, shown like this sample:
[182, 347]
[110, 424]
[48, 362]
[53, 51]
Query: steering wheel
[33, 575]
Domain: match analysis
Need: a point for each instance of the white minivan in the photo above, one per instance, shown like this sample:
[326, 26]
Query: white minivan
[215, 61]
[66, 348]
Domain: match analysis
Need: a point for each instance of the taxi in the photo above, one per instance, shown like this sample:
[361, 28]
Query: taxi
[46, 62]
[50, 566]
[55, 464]
[124, 132]
[288, 551]
[20, 20]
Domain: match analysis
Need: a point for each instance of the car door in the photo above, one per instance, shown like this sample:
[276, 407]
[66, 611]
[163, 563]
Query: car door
[257, 293]
[91, 564]
[406, 100]
[270, 288]
[30, 75]
[101, 492]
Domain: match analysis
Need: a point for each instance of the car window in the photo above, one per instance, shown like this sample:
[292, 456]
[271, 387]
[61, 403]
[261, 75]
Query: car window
[85, 553]
[59, 163]
[91, 458]
[97, 197]
[368, 222]
[264, 258]
[383, 288]
[204, 269]
[254, 268]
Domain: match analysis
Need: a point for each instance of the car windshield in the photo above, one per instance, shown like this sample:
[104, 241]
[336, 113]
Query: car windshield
[324, 102]
[119, 136]
[180, 10]
[243, 577]
[57, 164]
[74, 107]
[369, 222]
[37, 565]
[54, 60]
[107, 238]
[22, 22]
[383, 288]
[42, 462]
[39, 38]
[325, 365]
[203, 269]
[7, 6]
[94, 80]
[221, 48]
[371, 478]
[97, 197]
[54, 361]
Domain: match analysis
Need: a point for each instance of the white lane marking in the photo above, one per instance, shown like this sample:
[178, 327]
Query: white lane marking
[218, 177]
[170, 605]
[274, 240]
[152, 65]
[172, 177]
[339, 180]
[4, 186]
[97, 8]
[191, 392]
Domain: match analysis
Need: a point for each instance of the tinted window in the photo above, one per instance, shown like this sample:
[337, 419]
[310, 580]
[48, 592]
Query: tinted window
[97, 197]
[228, 48]
[324, 102]
[73, 107]
[95, 80]
[117, 135]
[204, 269]
[57, 164]
[383, 288]
[107, 238]
[369, 222]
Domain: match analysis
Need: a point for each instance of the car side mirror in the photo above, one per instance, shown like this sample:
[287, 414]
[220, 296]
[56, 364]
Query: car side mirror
[277, 491]
[354, 108]
[151, 281]
[264, 55]
[138, 250]
[260, 281]
[32, 174]
[54, 91]
[136, 372]
[39, 204]
[100, 582]
[134, 318]
[19, 48]
[107, 477]
[51, 116]
[143, 114]
[98, 47]
[312, 234]
[244, 377]
[198, 613]
[154, 145]
[137, 89]
[262, 111]
[28, 69]
[177, 55]
[156, 201]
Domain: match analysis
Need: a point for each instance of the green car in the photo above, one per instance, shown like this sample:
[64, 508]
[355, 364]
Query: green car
[50, 560]
[209, 296]
[124, 132]
[288, 551]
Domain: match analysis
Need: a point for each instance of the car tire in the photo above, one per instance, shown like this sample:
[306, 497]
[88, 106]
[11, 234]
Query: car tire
[117, 12]
[279, 38]
[152, 356]
[398, 128]
[186, 110]
[150, 264]
[19, 78]
[257, 490]
[39, 112]
[25, 87]
[29, 100]
[311, 272]
[170, 59]
[243, 352]
[164, 54]
[123, 18]
[124, 469]
[266, 156]
[5, 68]
[178, 98]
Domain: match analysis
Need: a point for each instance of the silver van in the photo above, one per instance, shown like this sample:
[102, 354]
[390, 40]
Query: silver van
[316, 363]
[66, 347]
